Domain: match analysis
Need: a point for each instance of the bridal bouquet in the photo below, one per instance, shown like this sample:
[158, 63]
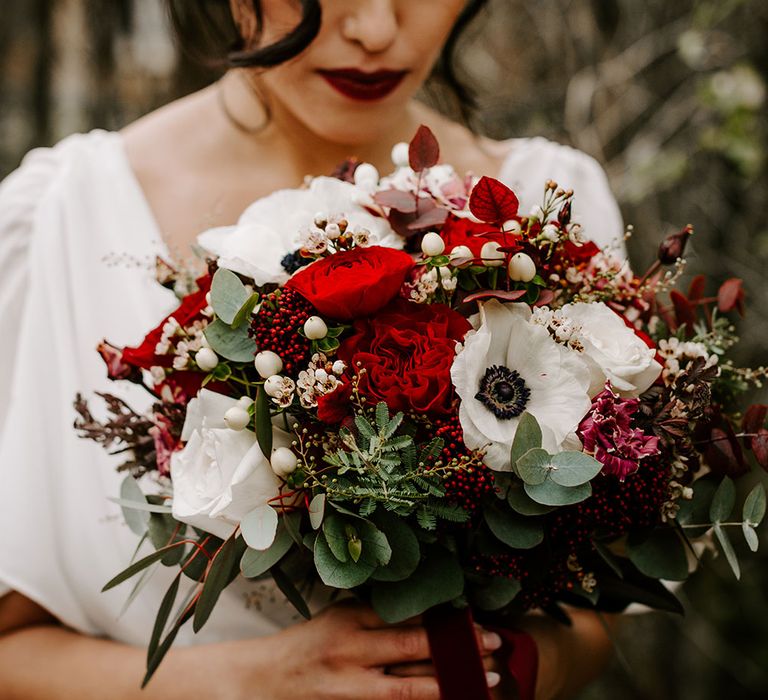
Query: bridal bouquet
[426, 397]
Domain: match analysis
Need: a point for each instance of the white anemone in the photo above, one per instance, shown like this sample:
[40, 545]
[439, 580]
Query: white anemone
[507, 366]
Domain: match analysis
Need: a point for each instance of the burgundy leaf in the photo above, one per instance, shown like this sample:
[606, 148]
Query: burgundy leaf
[697, 288]
[731, 296]
[429, 219]
[760, 448]
[400, 223]
[754, 418]
[396, 199]
[424, 150]
[492, 201]
[685, 313]
[547, 296]
[723, 453]
[496, 294]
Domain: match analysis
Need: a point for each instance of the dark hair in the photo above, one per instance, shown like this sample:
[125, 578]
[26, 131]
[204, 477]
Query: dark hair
[207, 32]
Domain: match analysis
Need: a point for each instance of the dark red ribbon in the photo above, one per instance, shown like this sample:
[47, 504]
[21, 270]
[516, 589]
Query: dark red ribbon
[459, 663]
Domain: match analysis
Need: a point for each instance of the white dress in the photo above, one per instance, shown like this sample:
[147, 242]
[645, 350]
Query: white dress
[77, 239]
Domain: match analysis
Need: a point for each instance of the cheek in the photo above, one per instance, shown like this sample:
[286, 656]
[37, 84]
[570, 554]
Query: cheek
[427, 23]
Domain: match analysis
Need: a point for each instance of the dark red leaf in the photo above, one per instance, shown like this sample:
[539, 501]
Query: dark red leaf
[723, 453]
[697, 288]
[760, 448]
[493, 202]
[754, 418]
[731, 296]
[396, 199]
[547, 296]
[429, 219]
[685, 313]
[496, 294]
[424, 150]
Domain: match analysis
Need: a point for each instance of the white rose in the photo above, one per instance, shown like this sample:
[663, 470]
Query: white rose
[221, 475]
[612, 349]
[270, 228]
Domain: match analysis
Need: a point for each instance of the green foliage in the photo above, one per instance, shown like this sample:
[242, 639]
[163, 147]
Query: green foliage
[496, 594]
[263, 422]
[132, 500]
[228, 295]
[223, 569]
[659, 554]
[527, 437]
[513, 530]
[232, 344]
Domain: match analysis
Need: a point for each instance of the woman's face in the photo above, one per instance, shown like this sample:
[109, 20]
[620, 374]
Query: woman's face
[355, 79]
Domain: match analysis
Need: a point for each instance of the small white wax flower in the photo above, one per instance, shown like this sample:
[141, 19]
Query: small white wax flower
[366, 176]
[432, 244]
[315, 328]
[321, 219]
[206, 359]
[491, 255]
[245, 402]
[512, 226]
[237, 418]
[332, 231]
[339, 366]
[283, 462]
[267, 363]
[400, 155]
[551, 233]
[536, 212]
[522, 268]
[274, 385]
[461, 256]
[321, 375]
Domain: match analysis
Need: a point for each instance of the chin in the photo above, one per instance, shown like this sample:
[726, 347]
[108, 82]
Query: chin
[353, 128]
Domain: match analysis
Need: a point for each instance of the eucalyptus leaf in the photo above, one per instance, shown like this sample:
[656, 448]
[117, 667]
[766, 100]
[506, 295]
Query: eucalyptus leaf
[438, 579]
[220, 575]
[515, 531]
[255, 563]
[336, 537]
[232, 344]
[551, 494]
[499, 593]
[527, 437]
[750, 536]
[228, 295]
[522, 503]
[263, 422]
[317, 511]
[290, 591]
[406, 552]
[754, 506]
[246, 311]
[574, 468]
[259, 527]
[723, 501]
[727, 547]
[133, 505]
[659, 554]
[534, 466]
[338, 574]
[164, 530]
[163, 613]
[140, 565]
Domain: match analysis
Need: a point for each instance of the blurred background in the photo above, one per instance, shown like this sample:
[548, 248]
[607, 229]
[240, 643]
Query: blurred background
[669, 97]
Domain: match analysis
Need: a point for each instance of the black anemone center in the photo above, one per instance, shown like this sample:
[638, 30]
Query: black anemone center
[504, 392]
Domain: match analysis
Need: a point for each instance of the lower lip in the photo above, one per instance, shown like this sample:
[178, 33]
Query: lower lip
[363, 91]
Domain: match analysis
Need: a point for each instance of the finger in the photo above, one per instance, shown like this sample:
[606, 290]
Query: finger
[396, 645]
[411, 688]
[487, 641]
[490, 663]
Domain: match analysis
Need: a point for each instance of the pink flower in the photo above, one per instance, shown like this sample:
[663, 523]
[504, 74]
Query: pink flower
[165, 443]
[607, 434]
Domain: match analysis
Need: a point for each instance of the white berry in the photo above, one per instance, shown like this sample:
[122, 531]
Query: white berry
[491, 255]
[283, 462]
[245, 402]
[333, 231]
[400, 155]
[237, 418]
[315, 328]
[267, 363]
[366, 175]
[522, 268]
[461, 256]
[274, 386]
[512, 226]
[432, 244]
[206, 359]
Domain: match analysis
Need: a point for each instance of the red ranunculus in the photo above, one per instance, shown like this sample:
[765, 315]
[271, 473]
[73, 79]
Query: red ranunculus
[353, 283]
[461, 231]
[407, 351]
[576, 254]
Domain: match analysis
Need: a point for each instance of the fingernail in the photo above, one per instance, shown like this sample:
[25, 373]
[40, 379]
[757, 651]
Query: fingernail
[493, 679]
[491, 641]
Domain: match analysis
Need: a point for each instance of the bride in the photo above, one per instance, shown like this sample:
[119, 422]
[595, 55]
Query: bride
[309, 84]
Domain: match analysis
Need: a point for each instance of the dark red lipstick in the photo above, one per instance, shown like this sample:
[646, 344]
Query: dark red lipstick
[359, 85]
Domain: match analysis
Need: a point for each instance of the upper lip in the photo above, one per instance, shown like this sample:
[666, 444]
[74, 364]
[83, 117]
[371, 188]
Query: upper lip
[364, 77]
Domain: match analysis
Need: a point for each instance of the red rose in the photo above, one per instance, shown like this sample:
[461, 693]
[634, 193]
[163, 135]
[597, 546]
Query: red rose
[353, 283]
[407, 351]
[460, 231]
[577, 254]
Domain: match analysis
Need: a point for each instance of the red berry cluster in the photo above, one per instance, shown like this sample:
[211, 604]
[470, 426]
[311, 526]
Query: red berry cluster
[276, 327]
[465, 487]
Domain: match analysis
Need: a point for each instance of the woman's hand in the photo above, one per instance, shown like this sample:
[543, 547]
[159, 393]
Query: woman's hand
[345, 653]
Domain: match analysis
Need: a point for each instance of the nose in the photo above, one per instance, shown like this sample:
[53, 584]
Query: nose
[373, 24]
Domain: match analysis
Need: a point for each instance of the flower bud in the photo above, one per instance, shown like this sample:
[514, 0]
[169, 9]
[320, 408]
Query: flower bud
[522, 268]
[512, 226]
[491, 255]
[366, 176]
[273, 385]
[400, 155]
[673, 247]
[315, 328]
[339, 367]
[245, 402]
[432, 244]
[551, 233]
[237, 418]
[283, 462]
[333, 231]
[461, 256]
[206, 359]
[321, 219]
[267, 363]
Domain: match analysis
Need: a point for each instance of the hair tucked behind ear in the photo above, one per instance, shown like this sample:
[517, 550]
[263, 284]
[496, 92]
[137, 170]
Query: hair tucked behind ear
[207, 33]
